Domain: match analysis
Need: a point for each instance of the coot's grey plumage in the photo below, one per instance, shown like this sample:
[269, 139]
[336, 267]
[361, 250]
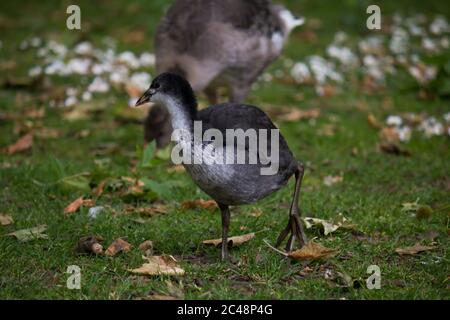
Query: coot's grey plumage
[218, 43]
[228, 184]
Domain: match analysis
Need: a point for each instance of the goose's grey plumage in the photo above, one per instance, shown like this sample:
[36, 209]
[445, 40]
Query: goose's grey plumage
[219, 43]
[228, 184]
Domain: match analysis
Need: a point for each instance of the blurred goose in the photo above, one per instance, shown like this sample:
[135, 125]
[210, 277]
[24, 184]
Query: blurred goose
[217, 43]
[229, 182]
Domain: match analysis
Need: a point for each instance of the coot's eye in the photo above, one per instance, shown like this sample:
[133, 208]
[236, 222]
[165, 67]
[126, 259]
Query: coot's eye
[156, 86]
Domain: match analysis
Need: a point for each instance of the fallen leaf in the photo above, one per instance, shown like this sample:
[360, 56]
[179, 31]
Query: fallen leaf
[256, 213]
[232, 241]
[48, 133]
[332, 180]
[389, 135]
[294, 114]
[394, 148]
[199, 203]
[373, 121]
[328, 226]
[75, 205]
[159, 265]
[5, 220]
[30, 234]
[417, 248]
[23, 144]
[117, 246]
[419, 210]
[312, 251]
[146, 247]
[89, 244]
[153, 210]
[98, 190]
[176, 169]
[160, 297]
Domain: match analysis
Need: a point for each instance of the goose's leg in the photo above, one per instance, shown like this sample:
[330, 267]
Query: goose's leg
[294, 228]
[225, 211]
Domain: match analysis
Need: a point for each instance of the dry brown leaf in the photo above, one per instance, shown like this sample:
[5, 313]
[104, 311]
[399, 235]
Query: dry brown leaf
[23, 144]
[150, 211]
[373, 121]
[160, 297]
[75, 205]
[332, 180]
[146, 247]
[118, 245]
[294, 114]
[312, 251]
[394, 148]
[176, 169]
[199, 203]
[389, 135]
[48, 133]
[98, 190]
[6, 220]
[415, 249]
[232, 241]
[159, 265]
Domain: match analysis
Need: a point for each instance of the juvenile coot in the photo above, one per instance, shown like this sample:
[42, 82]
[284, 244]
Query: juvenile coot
[217, 43]
[228, 182]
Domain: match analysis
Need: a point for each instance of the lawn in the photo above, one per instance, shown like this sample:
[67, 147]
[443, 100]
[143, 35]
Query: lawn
[358, 165]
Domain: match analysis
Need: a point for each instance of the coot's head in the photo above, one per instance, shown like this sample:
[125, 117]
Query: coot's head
[170, 87]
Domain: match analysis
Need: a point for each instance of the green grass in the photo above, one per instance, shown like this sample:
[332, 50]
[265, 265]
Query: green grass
[374, 187]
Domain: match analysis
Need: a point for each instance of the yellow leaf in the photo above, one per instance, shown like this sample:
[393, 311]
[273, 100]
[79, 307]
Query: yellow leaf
[417, 248]
[159, 265]
[233, 241]
[312, 251]
[6, 220]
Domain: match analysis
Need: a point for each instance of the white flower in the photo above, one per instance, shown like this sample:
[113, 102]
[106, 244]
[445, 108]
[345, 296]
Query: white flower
[439, 26]
[399, 41]
[35, 71]
[323, 70]
[56, 67]
[343, 54]
[35, 42]
[300, 72]
[394, 121]
[119, 75]
[429, 45]
[84, 48]
[132, 102]
[87, 96]
[147, 59]
[140, 80]
[98, 85]
[70, 101]
[129, 59]
[58, 49]
[404, 133]
[431, 127]
[447, 117]
[79, 66]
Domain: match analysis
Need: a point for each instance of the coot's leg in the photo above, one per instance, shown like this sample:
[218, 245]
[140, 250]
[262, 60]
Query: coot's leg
[225, 211]
[294, 228]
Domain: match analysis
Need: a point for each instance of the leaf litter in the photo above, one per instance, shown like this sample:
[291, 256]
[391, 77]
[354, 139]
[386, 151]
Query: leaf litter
[159, 265]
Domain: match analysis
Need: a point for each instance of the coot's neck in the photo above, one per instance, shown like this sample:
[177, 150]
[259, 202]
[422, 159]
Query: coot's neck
[182, 117]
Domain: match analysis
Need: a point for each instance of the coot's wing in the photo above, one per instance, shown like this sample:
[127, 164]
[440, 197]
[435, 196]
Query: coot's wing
[238, 116]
